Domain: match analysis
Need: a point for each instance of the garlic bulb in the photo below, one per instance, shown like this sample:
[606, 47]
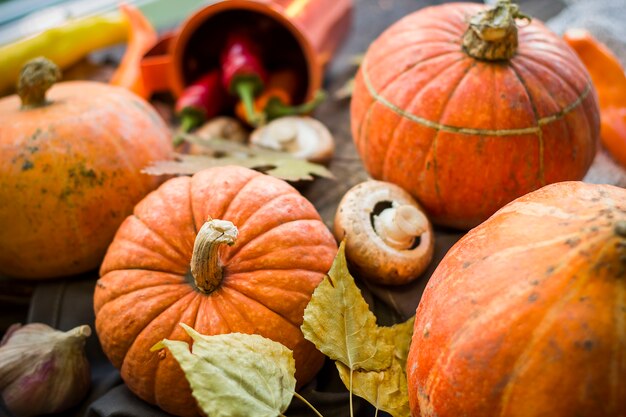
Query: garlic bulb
[43, 370]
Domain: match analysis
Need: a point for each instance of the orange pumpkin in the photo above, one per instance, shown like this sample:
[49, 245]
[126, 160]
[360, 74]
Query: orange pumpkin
[467, 119]
[526, 314]
[70, 170]
[261, 284]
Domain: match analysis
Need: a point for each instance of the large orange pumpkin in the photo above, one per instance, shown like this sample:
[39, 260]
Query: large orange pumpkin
[70, 171]
[468, 119]
[526, 314]
[261, 284]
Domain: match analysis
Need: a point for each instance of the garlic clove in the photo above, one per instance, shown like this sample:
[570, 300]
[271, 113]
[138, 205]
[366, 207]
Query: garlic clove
[43, 370]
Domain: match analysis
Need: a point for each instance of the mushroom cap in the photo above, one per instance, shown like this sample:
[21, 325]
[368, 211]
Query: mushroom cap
[312, 139]
[374, 259]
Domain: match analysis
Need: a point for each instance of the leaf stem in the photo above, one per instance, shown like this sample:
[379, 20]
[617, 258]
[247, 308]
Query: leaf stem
[351, 409]
[301, 398]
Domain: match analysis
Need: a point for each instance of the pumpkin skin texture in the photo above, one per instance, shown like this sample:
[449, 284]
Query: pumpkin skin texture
[466, 136]
[526, 314]
[70, 174]
[282, 253]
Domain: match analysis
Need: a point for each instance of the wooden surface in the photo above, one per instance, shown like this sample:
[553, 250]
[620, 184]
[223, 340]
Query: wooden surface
[371, 18]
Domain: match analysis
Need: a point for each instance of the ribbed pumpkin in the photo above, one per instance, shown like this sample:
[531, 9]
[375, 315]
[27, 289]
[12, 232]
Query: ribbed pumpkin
[70, 170]
[526, 314]
[261, 284]
[468, 119]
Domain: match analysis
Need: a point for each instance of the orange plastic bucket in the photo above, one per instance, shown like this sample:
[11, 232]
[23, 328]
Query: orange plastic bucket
[299, 34]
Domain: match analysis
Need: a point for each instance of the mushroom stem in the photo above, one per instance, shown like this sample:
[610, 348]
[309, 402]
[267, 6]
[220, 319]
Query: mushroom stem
[205, 264]
[399, 226]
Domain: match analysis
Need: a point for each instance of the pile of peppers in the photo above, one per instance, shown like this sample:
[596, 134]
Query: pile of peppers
[609, 79]
[242, 74]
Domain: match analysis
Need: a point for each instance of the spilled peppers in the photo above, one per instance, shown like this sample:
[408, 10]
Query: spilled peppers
[276, 99]
[201, 101]
[243, 73]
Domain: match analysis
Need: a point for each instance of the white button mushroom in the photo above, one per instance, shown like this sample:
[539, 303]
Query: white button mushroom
[389, 240]
[302, 137]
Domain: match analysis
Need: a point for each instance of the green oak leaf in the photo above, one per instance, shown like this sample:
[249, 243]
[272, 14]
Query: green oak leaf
[233, 375]
[387, 389]
[340, 324]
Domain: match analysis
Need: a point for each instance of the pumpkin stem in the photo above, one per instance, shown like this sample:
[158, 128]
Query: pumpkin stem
[399, 226]
[205, 264]
[492, 33]
[36, 77]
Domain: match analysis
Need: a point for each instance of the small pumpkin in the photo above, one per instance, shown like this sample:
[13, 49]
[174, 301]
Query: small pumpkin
[260, 284]
[70, 170]
[526, 314]
[466, 119]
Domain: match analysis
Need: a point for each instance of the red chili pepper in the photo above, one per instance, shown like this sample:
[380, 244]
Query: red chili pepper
[243, 73]
[200, 101]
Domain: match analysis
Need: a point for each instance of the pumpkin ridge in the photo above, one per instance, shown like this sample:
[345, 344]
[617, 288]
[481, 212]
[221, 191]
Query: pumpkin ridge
[241, 194]
[233, 279]
[220, 215]
[542, 176]
[161, 238]
[123, 154]
[114, 282]
[433, 143]
[471, 324]
[273, 268]
[412, 27]
[411, 67]
[172, 336]
[160, 296]
[219, 308]
[232, 253]
[230, 202]
[155, 255]
[138, 339]
[232, 256]
[370, 108]
[471, 131]
[545, 325]
[415, 98]
[530, 70]
[549, 69]
[251, 298]
[255, 301]
[404, 48]
[620, 331]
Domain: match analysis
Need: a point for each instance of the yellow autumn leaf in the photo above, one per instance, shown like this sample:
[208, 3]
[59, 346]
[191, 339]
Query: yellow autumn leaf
[386, 389]
[233, 375]
[340, 324]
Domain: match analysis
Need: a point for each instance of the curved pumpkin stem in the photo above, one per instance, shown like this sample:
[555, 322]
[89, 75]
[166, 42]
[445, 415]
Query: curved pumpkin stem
[36, 77]
[205, 265]
[492, 33]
